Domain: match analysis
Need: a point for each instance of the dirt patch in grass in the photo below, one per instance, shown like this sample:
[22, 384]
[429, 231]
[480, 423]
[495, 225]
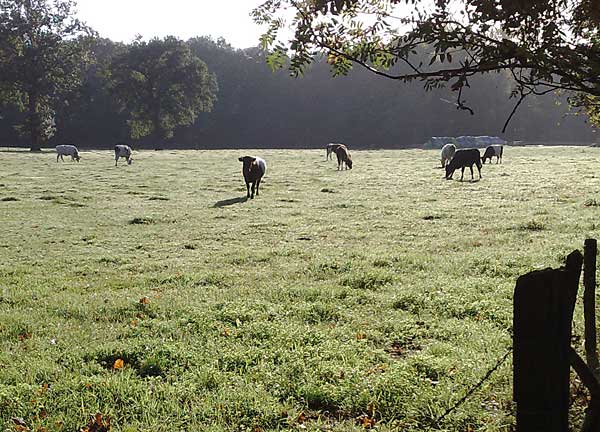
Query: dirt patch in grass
[142, 221]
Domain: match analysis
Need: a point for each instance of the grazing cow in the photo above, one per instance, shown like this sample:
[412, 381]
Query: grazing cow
[491, 151]
[122, 150]
[331, 147]
[67, 150]
[343, 157]
[447, 153]
[254, 169]
[464, 158]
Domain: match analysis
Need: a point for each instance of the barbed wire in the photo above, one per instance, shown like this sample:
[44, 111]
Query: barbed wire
[474, 388]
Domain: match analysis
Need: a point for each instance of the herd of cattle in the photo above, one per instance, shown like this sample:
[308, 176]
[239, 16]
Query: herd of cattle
[254, 168]
[453, 159]
[122, 150]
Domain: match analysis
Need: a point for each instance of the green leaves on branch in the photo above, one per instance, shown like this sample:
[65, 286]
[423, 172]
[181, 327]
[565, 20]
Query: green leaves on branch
[543, 47]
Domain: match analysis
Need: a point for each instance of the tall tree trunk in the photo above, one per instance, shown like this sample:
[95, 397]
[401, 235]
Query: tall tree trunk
[34, 122]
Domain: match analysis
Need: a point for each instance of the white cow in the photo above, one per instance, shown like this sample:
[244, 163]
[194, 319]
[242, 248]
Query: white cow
[123, 151]
[67, 150]
[447, 153]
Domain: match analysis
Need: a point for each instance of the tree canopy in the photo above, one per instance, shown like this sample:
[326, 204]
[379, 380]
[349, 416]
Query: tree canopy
[42, 56]
[161, 85]
[546, 45]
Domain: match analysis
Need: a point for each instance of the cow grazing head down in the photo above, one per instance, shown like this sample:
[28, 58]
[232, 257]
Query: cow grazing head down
[349, 162]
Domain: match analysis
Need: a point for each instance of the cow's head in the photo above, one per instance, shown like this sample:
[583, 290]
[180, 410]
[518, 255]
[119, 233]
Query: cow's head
[247, 162]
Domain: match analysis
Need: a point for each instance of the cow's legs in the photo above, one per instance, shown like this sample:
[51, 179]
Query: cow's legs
[57, 156]
[247, 190]
[471, 168]
[253, 189]
[257, 185]
[462, 173]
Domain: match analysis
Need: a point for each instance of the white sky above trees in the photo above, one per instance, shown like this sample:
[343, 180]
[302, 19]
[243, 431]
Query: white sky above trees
[122, 20]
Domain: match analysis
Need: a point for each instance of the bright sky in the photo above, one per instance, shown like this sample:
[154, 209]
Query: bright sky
[122, 20]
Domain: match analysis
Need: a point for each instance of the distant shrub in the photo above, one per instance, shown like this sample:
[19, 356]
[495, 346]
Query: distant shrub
[6, 199]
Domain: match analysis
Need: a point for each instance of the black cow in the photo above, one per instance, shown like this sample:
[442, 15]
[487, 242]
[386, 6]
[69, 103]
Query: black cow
[464, 158]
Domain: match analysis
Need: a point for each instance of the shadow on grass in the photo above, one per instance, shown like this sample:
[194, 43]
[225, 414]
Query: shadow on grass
[231, 201]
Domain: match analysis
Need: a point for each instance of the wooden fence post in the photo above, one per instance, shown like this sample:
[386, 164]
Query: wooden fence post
[590, 250]
[544, 301]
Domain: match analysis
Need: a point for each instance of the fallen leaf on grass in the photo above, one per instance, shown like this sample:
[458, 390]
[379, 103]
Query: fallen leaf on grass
[144, 300]
[119, 364]
[366, 421]
[20, 424]
[25, 335]
[97, 424]
[301, 418]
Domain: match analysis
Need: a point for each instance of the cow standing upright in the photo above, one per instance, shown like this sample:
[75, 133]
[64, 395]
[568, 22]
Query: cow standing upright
[253, 169]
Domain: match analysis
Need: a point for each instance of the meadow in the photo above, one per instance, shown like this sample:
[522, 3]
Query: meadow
[156, 295]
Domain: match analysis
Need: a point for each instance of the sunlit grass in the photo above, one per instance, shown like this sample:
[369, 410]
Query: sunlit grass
[383, 291]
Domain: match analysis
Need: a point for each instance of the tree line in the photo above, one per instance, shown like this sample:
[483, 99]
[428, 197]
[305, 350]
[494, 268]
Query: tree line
[62, 83]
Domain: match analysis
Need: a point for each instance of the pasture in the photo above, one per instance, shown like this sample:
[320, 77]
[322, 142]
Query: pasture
[374, 297]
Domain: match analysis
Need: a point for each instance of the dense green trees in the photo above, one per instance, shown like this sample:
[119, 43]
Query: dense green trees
[161, 85]
[42, 56]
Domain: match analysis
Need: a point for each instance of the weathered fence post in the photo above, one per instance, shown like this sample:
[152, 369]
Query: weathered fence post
[543, 311]
[589, 304]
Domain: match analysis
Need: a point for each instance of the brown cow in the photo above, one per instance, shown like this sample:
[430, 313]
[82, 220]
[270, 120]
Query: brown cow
[343, 157]
[254, 169]
[331, 147]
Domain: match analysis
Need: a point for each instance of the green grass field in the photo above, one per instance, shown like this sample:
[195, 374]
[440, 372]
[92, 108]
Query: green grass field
[333, 301]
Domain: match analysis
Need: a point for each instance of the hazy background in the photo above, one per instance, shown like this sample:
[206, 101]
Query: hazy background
[260, 108]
